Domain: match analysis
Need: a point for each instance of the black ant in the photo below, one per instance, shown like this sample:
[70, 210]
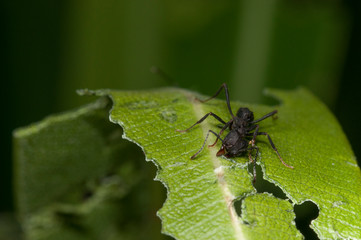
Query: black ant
[240, 138]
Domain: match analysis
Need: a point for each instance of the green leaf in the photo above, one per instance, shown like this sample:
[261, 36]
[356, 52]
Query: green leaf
[63, 158]
[76, 178]
[201, 192]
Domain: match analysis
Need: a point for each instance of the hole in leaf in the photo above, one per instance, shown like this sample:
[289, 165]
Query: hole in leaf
[305, 213]
[237, 206]
[263, 186]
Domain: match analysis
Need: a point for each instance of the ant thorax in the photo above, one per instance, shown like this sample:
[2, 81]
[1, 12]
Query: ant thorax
[238, 123]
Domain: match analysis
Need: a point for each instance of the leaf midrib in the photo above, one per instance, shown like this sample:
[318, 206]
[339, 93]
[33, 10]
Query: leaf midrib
[218, 169]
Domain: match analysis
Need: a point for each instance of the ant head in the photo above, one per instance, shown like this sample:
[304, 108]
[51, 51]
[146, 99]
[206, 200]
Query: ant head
[245, 114]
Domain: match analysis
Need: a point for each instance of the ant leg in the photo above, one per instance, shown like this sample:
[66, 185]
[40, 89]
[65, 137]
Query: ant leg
[253, 161]
[201, 120]
[255, 133]
[274, 148]
[220, 133]
[254, 165]
[204, 143]
[265, 116]
[224, 85]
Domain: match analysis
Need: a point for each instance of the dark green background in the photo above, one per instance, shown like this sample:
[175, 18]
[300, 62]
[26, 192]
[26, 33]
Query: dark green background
[51, 48]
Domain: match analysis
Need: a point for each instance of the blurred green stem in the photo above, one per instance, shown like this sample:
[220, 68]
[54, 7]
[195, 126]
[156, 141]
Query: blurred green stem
[254, 41]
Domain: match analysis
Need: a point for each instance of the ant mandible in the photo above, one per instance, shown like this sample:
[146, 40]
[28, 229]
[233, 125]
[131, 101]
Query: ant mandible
[240, 137]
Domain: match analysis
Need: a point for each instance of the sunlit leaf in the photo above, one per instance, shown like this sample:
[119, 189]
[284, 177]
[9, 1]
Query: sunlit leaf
[201, 191]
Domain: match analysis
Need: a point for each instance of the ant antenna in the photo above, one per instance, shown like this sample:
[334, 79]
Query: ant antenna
[170, 81]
